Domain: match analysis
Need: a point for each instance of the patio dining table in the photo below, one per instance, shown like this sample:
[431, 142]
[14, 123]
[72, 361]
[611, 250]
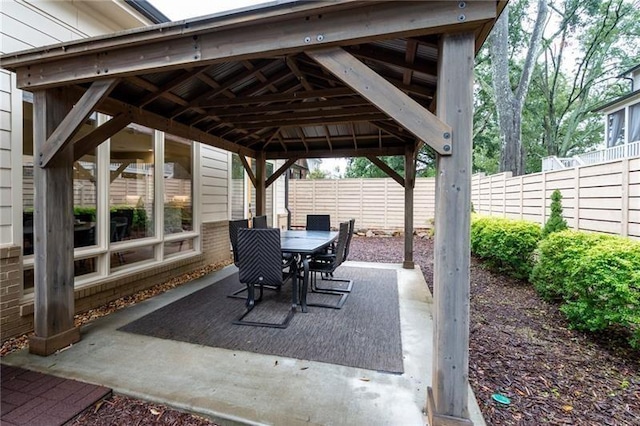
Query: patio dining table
[302, 245]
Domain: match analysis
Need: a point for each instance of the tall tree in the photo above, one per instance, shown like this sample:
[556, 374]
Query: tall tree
[572, 82]
[509, 99]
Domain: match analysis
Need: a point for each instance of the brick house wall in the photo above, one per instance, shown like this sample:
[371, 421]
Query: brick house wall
[17, 315]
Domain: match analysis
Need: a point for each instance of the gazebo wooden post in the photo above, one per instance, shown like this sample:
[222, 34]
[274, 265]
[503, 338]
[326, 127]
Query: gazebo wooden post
[409, 184]
[447, 400]
[261, 186]
[53, 231]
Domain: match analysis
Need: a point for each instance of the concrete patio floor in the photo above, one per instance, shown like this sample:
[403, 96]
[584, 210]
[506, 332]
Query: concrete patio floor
[233, 387]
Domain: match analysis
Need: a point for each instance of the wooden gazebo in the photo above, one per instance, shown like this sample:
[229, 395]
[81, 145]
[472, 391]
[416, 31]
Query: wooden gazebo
[287, 80]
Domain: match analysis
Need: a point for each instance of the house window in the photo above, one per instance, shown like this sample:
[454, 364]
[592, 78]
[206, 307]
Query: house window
[178, 183]
[616, 129]
[237, 188]
[634, 123]
[131, 189]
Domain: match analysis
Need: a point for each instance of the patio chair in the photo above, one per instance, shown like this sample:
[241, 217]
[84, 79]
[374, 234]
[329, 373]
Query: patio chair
[329, 276]
[318, 222]
[234, 226]
[260, 264]
[325, 264]
[260, 222]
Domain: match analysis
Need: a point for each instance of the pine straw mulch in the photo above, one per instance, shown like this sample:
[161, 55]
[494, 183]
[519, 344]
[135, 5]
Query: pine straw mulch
[520, 346]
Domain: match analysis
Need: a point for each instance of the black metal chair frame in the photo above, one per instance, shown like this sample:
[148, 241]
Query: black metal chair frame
[325, 264]
[329, 276]
[260, 264]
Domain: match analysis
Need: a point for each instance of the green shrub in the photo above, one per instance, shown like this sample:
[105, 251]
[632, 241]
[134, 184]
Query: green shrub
[604, 288]
[505, 245]
[557, 256]
[555, 222]
[78, 210]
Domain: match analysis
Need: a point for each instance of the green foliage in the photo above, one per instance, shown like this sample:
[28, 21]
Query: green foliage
[317, 174]
[595, 276]
[79, 210]
[361, 167]
[604, 289]
[505, 245]
[585, 46]
[555, 222]
[557, 255]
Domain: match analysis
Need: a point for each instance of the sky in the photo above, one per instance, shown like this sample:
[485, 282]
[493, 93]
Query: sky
[177, 10]
[182, 9]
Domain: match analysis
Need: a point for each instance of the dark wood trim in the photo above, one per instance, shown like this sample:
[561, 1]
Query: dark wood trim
[280, 171]
[247, 168]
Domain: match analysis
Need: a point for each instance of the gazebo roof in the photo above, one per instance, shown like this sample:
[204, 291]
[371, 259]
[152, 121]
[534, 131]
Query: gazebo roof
[242, 81]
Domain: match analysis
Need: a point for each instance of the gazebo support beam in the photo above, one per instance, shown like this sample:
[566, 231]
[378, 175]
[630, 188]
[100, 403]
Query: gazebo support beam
[386, 97]
[409, 184]
[447, 400]
[61, 136]
[261, 180]
[385, 168]
[280, 171]
[53, 231]
[88, 143]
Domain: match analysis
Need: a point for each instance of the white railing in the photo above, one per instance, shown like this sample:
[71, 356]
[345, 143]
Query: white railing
[609, 154]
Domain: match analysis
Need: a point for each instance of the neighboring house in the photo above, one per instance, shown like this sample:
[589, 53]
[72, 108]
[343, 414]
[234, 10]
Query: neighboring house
[134, 227]
[621, 132]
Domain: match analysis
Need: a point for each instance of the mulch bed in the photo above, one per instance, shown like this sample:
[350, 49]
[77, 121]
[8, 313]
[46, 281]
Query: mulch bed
[520, 346]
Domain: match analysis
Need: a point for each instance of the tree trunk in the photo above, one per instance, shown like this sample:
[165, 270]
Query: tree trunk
[509, 102]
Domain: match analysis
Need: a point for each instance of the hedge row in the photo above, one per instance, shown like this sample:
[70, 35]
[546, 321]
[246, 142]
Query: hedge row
[505, 245]
[595, 277]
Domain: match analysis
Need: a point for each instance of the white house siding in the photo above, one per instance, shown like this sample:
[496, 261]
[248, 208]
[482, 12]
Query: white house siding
[28, 24]
[214, 170]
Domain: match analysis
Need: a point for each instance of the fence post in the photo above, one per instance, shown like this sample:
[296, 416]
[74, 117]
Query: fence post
[491, 195]
[504, 195]
[521, 197]
[576, 200]
[624, 198]
[544, 198]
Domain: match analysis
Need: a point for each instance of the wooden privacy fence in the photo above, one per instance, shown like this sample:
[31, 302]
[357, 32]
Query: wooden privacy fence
[603, 197]
[374, 203]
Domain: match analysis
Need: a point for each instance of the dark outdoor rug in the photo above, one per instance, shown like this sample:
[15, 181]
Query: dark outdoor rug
[365, 333]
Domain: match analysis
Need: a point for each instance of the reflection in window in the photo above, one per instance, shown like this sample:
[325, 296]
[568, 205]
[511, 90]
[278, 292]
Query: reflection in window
[85, 195]
[131, 192]
[268, 193]
[634, 123]
[237, 188]
[27, 184]
[178, 179]
[616, 129]
[85, 266]
[27, 280]
[173, 248]
[121, 258]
